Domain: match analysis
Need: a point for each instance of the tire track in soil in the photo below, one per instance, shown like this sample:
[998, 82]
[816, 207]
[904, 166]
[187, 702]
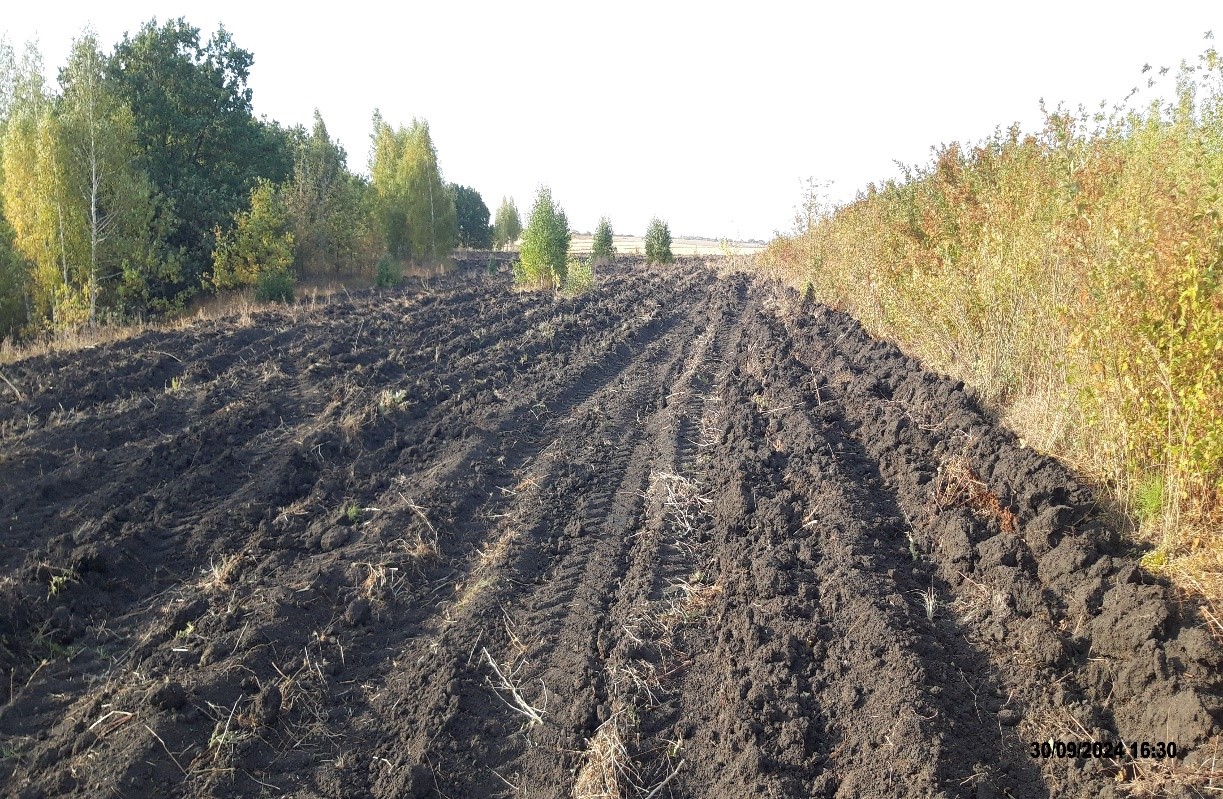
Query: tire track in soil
[559, 620]
[192, 605]
[509, 457]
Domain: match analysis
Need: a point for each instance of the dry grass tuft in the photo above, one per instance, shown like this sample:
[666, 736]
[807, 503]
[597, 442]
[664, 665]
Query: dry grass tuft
[607, 770]
[957, 485]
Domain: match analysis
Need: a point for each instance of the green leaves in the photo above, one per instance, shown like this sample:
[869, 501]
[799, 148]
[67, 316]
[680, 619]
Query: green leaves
[260, 243]
[507, 227]
[325, 205]
[472, 218]
[414, 205]
[658, 243]
[545, 243]
[602, 247]
[199, 141]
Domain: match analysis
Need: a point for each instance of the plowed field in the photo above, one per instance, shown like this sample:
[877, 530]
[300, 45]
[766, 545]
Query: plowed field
[680, 536]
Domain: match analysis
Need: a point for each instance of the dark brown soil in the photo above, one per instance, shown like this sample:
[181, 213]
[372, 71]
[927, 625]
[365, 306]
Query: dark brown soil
[680, 536]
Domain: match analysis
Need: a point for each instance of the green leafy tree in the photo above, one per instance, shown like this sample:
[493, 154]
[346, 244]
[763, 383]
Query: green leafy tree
[507, 226]
[8, 77]
[390, 192]
[544, 256]
[414, 206]
[14, 311]
[258, 249]
[36, 198]
[658, 243]
[14, 275]
[106, 189]
[472, 218]
[200, 143]
[602, 247]
[325, 204]
[432, 227]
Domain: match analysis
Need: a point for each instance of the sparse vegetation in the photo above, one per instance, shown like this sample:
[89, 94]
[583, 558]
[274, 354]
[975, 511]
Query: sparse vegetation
[579, 277]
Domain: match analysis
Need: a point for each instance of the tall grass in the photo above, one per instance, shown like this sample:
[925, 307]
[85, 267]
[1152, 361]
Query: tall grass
[1073, 276]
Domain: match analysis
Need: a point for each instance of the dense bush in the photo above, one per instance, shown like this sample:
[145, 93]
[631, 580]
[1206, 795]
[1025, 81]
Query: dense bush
[544, 257]
[390, 272]
[602, 247]
[275, 285]
[658, 242]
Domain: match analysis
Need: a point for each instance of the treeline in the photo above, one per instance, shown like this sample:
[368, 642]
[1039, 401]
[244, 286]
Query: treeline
[1075, 276]
[144, 178]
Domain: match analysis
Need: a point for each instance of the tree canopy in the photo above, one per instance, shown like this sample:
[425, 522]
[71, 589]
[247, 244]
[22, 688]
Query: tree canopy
[414, 205]
[200, 144]
[544, 257]
[472, 218]
[507, 227]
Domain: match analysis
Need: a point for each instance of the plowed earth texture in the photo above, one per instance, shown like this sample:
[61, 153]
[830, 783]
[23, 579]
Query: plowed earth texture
[680, 536]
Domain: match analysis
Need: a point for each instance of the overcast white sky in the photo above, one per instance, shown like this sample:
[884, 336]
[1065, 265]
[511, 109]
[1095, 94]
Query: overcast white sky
[708, 114]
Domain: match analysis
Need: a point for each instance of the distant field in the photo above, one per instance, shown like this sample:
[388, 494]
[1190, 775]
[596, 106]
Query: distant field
[635, 245]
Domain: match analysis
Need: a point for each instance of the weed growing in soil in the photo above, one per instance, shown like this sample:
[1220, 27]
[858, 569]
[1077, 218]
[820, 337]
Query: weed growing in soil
[579, 277]
[928, 600]
[353, 514]
[392, 399]
[223, 739]
[59, 580]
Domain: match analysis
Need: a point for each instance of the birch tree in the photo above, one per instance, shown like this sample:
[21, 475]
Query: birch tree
[415, 206]
[111, 194]
[35, 195]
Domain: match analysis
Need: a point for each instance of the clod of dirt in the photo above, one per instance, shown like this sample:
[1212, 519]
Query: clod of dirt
[334, 538]
[267, 705]
[170, 695]
[357, 612]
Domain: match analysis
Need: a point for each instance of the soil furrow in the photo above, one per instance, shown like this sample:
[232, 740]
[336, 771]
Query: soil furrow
[682, 536]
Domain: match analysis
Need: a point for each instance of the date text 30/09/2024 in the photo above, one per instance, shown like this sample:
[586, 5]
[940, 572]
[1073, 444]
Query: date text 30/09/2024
[1104, 749]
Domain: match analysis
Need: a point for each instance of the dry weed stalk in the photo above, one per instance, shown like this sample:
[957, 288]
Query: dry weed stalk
[221, 575]
[957, 485]
[689, 601]
[1154, 778]
[970, 608]
[505, 684]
